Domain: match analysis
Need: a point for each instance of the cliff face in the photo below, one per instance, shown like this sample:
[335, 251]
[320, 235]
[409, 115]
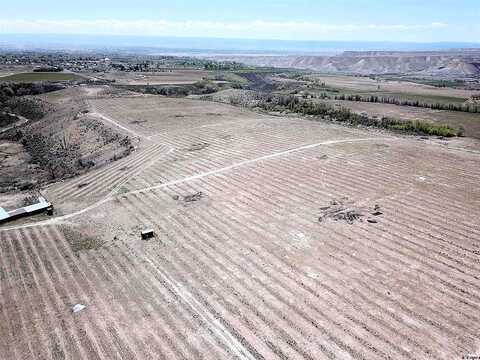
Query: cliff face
[458, 64]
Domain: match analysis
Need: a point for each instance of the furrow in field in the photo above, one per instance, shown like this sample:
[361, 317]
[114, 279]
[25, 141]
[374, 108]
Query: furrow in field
[111, 176]
[6, 317]
[52, 278]
[94, 176]
[338, 177]
[304, 277]
[36, 300]
[276, 287]
[99, 289]
[107, 169]
[331, 293]
[60, 339]
[267, 220]
[224, 269]
[138, 315]
[181, 326]
[355, 250]
[219, 328]
[19, 344]
[80, 286]
[288, 244]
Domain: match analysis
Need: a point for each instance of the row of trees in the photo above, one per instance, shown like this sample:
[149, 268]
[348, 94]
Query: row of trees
[471, 108]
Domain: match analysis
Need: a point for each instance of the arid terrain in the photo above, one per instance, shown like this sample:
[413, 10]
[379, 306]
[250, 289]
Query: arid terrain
[446, 63]
[276, 237]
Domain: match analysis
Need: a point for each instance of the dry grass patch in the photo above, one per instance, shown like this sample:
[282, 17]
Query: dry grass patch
[80, 241]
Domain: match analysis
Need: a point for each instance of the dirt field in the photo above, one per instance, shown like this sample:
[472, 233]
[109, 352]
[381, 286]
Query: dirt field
[366, 84]
[469, 121]
[174, 77]
[241, 267]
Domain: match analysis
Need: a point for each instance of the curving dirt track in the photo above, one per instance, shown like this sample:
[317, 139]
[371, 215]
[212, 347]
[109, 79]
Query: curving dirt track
[247, 271]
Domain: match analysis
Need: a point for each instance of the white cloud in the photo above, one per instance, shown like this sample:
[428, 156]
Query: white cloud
[249, 29]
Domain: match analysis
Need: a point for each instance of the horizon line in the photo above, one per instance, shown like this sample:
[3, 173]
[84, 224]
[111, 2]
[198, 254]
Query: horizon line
[241, 38]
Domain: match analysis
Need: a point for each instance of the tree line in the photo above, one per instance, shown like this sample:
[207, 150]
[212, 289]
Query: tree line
[470, 108]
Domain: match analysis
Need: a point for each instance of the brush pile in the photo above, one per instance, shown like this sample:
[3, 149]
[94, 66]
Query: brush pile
[346, 211]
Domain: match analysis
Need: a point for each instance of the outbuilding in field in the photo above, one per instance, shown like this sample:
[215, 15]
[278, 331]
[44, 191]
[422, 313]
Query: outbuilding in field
[147, 234]
[41, 206]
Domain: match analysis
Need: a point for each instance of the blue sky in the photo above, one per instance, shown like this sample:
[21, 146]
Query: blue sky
[391, 20]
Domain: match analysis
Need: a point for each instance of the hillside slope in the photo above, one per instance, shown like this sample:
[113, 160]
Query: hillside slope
[445, 64]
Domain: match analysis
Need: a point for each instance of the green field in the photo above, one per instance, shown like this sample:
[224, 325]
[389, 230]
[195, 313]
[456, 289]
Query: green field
[40, 76]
